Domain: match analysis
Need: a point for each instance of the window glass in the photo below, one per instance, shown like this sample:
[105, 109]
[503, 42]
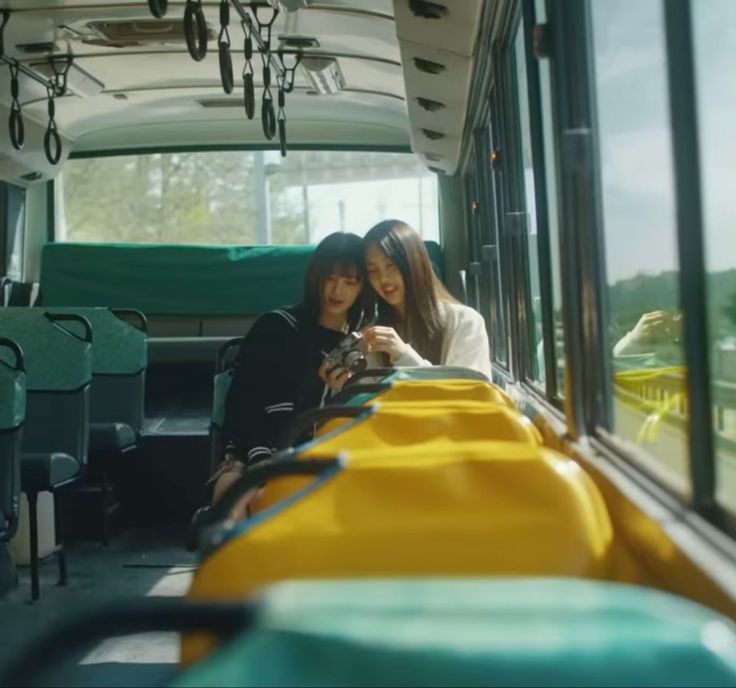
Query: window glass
[243, 197]
[11, 251]
[492, 253]
[536, 344]
[550, 176]
[650, 405]
[714, 25]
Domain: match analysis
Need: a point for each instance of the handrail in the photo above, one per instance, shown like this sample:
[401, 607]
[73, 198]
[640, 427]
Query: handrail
[222, 353]
[127, 313]
[320, 415]
[15, 348]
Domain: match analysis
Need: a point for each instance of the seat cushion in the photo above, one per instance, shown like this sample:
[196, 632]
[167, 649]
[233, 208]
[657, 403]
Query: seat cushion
[473, 632]
[45, 471]
[111, 438]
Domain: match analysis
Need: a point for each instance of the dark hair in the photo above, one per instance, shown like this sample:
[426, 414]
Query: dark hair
[339, 252]
[422, 326]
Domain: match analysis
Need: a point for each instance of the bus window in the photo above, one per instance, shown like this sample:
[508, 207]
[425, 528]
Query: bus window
[714, 27]
[241, 197]
[536, 343]
[650, 405]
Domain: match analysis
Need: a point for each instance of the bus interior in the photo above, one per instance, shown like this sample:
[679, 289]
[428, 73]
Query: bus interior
[165, 173]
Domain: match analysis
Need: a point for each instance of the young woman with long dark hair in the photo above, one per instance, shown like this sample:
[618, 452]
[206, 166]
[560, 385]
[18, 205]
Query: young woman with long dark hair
[276, 373]
[419, 322]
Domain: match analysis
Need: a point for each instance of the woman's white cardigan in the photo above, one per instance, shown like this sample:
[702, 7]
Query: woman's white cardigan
[464, 344]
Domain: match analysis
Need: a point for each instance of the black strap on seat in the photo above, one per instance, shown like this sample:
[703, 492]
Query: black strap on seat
[213, 525]
[347, 393]
[317, 416]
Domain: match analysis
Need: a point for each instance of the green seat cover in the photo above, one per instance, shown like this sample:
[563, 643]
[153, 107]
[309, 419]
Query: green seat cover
[222, 382]
[502, 632]
[12, 395]
[181, 279]
[118, 347]
[56, 358]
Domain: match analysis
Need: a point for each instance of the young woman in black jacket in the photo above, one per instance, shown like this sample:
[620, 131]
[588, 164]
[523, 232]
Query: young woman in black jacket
[276, 373]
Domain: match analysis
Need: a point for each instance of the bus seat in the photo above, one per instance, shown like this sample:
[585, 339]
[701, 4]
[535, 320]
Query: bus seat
[385, 427]
[12, 415]
[180, 280]
[408, 390]
[119, 361]
[221, 386]
[392, 424]
[477, 509]
[58, 361]
[473, 632]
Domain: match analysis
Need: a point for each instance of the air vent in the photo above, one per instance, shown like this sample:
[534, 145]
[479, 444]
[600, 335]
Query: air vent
[131, 33]
[427, 10]
[31, 176]
[430, 105]
[221, 103]
[433, 135]
[297, 42]
[36, 48]
[428, 66]
[433, 157]
[437, 170]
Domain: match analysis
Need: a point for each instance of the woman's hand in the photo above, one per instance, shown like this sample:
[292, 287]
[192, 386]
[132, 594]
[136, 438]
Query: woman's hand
[652, 328]
[384, 339]
[335, 378]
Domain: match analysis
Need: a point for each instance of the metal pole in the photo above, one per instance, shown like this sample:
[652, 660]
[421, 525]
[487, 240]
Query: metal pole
[693, 296]
[544, 250]
[263, 215]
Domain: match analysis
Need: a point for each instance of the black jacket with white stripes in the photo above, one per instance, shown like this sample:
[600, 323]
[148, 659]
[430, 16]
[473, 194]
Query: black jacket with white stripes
[275, 378]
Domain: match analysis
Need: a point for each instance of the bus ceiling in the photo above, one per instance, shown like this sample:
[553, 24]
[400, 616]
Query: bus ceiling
[99, 76]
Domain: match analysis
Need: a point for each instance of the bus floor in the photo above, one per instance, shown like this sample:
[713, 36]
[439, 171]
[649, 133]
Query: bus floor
[141, 562]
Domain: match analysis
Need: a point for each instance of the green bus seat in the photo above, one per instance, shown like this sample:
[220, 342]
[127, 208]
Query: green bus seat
[473, 632]
[179, 280]
[119, 361]
[12, 415]
[117, 393]
[221, 386]
[58, 362]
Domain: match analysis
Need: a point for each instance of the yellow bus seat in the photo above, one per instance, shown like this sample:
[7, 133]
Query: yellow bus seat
[474, 509]
[440, 390]
[386, 427]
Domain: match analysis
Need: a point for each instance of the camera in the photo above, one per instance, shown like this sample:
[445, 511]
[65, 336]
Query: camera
[348, 354]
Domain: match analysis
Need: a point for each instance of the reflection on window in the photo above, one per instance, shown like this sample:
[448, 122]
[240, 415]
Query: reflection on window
[536, 344]
[715, 32]
[545, 87]
[243, 197]
[650, 405]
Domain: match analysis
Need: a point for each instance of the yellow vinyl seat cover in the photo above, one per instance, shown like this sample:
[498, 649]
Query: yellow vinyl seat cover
[444, 390]
[481, 508]
[420, 426]
[422, 391]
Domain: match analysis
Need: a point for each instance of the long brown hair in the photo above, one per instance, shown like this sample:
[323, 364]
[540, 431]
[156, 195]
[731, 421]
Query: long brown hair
[422, 325]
